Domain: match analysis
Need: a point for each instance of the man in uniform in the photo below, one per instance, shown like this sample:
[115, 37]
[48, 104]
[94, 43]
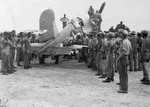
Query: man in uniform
[145, 57]
[91, 11]
[13, 35]
[94, 45]
[19, 49]
[64, 20]
[98, 58]
[133, 55]
[125, 50]
[26, 51]
[111, 57]
[139, 49]
[11, 51]
[5, 46]
[90, 52]
[119, 26]
[103, 56]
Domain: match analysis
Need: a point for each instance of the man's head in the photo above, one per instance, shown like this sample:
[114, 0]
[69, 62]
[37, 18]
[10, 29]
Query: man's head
[20, 35]
[29, 35]
[112, 27]
[139, 35]
[133, 33]
[123, 33]
[64, 15]
[111, 35]
[93, 34]
[13, 33]
[144, 33]
[5, 34]
[121, 22]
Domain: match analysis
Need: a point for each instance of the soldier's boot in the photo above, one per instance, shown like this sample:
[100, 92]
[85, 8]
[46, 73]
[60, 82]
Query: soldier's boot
[4, 73]
[102, 76]
[108, 80]
[147, 82]
[18, 64]
[143, 79]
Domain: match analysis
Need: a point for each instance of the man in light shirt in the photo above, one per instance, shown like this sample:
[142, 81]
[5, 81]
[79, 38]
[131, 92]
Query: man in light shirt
[5, 48]
[125, 50]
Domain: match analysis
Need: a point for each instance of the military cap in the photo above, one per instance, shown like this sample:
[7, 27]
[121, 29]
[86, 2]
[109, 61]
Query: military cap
[5, 33]
[20, 34]
[111, 35]
[133, 33]
[144, 32]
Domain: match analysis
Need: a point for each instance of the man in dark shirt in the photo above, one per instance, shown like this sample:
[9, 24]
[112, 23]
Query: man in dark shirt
[26, 51]
[119, 26]
[64, 20]
[139, 48]
[145, 57]
[133, 56]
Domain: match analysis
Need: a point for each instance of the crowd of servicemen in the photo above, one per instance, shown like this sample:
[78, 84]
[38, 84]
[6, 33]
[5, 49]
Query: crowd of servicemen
[12, 46]
[116, 50]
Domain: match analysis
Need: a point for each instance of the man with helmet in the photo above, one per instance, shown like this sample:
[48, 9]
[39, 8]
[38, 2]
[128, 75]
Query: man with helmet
[111, 57]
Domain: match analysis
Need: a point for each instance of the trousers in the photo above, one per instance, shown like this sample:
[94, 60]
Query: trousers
[5, 62]
[26, 59]
[133, 61]
[19, 55]
[12, 57]
[123, 74]
[110, 66]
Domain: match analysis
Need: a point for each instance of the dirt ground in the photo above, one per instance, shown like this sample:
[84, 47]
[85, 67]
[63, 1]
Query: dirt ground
[69, 84]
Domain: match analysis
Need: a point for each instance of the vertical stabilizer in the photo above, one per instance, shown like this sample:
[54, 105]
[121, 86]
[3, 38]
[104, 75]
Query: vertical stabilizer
[47, 22]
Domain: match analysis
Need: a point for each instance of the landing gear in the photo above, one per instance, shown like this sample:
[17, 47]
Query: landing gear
[42, 60]
[56, 59]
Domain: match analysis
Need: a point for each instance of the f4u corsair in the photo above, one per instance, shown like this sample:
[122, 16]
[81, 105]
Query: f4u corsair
[50, 42]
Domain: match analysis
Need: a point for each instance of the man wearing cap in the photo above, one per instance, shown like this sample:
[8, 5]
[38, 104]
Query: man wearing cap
[145, 57]
[26, 50]
[125, 50]
[133, 55]
[111, 57]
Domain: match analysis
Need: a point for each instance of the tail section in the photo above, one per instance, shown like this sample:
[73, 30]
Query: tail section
[47, 22]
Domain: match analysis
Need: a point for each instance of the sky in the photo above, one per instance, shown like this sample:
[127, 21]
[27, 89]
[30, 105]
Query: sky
[24, 14]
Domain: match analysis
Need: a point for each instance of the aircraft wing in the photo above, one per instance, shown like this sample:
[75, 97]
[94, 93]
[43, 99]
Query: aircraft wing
[36, 47]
